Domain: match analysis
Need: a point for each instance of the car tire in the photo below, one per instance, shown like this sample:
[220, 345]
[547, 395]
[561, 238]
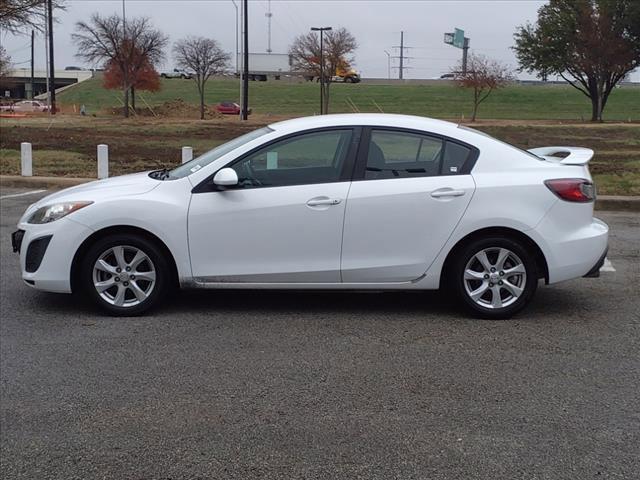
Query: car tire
[125, 274]
[494, 278]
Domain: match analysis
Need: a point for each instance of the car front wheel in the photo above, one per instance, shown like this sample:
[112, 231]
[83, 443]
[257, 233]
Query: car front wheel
[495, 277]
[125, 274]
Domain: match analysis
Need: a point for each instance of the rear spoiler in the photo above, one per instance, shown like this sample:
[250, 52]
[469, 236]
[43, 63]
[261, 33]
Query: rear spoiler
[570, 155]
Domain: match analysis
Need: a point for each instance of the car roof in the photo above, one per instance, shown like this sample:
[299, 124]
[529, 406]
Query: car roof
[368, 119]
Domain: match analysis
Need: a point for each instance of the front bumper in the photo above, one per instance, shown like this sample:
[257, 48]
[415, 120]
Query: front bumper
[54, 246]
[16, 240]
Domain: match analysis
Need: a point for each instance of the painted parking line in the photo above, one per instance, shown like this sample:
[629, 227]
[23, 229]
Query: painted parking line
[32, 192]
[607, 266]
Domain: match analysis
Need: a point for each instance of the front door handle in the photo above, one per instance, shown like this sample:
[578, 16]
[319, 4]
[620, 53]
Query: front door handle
[320, 201]
[447, 192]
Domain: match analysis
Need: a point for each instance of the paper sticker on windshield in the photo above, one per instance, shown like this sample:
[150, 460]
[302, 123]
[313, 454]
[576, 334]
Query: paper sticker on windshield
[272, 160]
[453, 169]
[195, 169]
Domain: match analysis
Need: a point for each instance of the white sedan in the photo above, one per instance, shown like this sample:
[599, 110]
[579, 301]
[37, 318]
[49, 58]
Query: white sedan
[362, 201]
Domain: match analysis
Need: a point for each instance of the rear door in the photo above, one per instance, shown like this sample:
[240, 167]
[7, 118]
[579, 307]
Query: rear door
[410, 190]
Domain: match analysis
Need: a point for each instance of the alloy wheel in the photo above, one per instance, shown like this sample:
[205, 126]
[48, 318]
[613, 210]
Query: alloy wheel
[495, 278]
[124, 276]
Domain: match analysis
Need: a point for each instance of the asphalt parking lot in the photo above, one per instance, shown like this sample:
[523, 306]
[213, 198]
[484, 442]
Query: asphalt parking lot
[323, 385]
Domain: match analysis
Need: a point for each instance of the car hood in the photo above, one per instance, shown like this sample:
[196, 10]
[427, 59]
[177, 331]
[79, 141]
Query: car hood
[134, 184]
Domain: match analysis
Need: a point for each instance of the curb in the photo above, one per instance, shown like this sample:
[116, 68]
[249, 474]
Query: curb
[604, 202]
[17, 181]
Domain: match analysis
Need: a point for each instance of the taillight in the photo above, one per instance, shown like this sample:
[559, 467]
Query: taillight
[572, 189]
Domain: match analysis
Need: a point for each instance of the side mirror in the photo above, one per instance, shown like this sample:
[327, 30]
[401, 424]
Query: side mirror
[226, 177]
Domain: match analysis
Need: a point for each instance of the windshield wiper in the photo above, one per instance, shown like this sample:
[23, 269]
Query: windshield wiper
[161, 174]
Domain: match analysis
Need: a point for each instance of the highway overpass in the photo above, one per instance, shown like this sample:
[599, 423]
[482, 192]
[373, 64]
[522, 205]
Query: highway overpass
[17, 84]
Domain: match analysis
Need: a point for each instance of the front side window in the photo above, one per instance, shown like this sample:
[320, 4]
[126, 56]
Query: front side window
[314, 157]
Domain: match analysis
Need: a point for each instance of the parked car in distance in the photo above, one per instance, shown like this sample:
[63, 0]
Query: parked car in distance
[72, 68]
[26, 106]
[176, 73]
[356, 201]
[229, 108]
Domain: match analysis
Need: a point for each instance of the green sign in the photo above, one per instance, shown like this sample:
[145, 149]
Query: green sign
[458, 38]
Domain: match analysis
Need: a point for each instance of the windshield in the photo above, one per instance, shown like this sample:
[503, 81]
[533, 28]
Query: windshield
[212, 155]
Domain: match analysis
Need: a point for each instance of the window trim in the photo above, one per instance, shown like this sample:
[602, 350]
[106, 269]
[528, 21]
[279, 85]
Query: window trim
[365, 141]
[346, 174]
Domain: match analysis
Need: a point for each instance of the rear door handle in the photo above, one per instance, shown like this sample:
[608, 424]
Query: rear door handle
[319, 201]
[447, 192]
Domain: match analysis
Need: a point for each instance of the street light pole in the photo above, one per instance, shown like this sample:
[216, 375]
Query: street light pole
[236, 7]
[388, 65]
[321, 30]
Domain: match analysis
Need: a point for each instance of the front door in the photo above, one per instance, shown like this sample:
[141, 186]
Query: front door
[283, 223]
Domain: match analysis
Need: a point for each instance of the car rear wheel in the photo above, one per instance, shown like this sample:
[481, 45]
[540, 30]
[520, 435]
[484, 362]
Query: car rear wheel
[125, 274]
[495, 277]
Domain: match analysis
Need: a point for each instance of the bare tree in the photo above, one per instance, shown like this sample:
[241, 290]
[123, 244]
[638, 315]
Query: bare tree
[483, 76]
[204, 58]
[16, 16]
[339, 45]
[131, 47]
[5, 62]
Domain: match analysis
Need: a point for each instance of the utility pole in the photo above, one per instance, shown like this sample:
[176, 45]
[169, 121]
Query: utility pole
[245, 79]
[269, 15]
[46, 54]
[322, 80]
[402, 57]
[125, 81]
[52, 78]
[31, 82]
[388, 65]
[401, 54]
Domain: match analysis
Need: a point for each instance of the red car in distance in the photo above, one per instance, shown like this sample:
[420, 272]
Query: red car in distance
[229, 108]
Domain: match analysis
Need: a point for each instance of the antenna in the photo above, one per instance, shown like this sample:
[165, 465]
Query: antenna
[269, 15]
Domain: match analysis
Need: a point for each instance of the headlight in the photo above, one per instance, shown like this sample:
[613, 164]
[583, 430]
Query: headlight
[51, 213]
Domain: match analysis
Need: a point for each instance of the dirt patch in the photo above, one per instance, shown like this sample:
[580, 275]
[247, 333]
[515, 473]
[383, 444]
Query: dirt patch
[177, 108]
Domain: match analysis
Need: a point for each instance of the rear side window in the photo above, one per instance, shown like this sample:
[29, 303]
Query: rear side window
[455, 157]
[398, 154]
[402, 154]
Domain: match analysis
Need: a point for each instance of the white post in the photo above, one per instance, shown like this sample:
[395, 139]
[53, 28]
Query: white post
[103, 161]
[26, 160]
[187, 154]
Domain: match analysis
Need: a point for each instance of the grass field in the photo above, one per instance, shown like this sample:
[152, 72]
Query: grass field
[67, 145]
[521, 102]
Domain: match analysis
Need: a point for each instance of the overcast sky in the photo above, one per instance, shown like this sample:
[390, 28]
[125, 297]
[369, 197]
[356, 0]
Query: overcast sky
[376, 24]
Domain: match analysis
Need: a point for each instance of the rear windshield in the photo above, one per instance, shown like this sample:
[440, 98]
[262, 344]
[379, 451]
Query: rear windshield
[212, 155]
[469, 129]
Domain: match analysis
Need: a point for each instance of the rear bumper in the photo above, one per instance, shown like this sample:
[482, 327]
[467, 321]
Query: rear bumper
[572, 252]
[595, 271]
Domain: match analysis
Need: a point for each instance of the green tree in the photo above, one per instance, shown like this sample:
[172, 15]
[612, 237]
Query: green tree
[592, 44]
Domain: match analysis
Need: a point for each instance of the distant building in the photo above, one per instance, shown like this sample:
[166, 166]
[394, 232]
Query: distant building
[18, 83]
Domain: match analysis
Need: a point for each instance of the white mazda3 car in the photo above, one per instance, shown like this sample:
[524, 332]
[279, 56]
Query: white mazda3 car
[362, 201]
